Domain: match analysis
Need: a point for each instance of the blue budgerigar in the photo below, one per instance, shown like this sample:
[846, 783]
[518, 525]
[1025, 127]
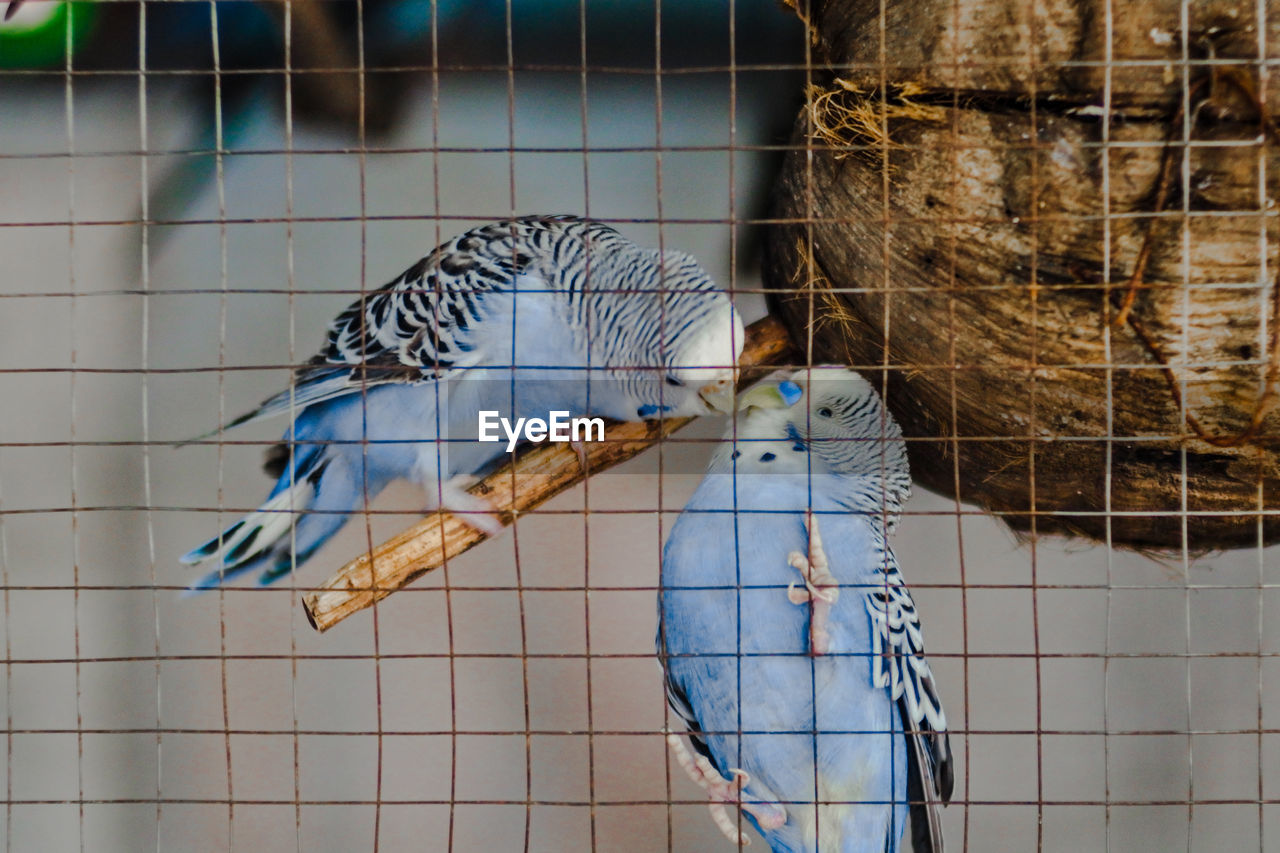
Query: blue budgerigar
[523, 317]
[769, 642]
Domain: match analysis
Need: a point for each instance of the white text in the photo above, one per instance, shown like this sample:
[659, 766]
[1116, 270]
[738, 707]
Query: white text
[560, 427]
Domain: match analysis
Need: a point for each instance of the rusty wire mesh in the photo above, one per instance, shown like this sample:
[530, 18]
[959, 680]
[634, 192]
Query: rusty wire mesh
[1099, 698]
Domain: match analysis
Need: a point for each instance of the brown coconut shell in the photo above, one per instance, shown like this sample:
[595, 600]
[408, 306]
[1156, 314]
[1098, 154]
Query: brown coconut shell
[1052, 49]
[1074, 310]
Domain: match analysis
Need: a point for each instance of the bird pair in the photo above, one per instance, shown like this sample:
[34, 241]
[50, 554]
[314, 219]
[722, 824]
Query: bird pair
[800, 704]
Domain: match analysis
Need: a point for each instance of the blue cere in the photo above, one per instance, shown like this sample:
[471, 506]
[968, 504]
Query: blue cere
[790, 391]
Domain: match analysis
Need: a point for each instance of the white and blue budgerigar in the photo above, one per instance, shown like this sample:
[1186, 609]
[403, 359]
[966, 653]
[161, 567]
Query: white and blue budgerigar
[799, 669]
[523, 318]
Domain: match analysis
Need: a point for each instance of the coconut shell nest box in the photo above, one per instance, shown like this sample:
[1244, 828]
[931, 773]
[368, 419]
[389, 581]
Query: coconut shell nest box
[1050, 226]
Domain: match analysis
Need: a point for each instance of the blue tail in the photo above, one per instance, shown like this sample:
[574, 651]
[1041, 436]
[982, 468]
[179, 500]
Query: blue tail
[310, 502]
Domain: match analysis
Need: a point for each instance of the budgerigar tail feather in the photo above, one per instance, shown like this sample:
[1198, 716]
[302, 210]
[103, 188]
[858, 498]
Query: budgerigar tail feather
[930, 779]
[249, 542]
[944, 768]
[298, 517]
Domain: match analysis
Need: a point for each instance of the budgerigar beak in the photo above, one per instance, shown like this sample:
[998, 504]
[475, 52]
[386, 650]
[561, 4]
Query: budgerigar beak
[782, 395]
[718, 395]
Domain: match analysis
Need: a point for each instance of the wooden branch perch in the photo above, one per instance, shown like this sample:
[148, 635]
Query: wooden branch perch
[537, 474]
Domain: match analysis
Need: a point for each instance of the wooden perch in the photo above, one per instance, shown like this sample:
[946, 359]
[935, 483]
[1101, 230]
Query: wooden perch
[539, 473]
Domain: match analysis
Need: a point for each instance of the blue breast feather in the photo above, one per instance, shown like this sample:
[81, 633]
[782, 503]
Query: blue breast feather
[738, 650]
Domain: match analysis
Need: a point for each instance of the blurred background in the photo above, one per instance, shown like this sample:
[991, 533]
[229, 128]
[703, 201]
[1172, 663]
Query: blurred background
[1099, 699]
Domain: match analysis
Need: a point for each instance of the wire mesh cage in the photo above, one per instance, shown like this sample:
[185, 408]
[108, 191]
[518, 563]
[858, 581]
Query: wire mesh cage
[1044, 234]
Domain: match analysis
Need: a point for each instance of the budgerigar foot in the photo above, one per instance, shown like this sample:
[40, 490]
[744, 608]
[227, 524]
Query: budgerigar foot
[821, 589]
[580, 448]
[475, 511]
[769, 815]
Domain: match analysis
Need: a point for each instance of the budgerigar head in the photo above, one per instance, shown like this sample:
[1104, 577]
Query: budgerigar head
[701, 358]
[676, 342]
[826, 420]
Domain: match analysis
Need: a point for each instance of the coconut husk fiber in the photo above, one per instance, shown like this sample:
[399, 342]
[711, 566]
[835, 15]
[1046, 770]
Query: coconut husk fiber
[1059, 250]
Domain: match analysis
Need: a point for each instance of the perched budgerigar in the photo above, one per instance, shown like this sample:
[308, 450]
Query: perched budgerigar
[523, 318]
[768, 637]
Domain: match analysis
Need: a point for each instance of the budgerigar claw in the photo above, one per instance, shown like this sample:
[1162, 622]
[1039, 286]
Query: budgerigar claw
[769, 815]
[580, 447]
[475, 511]
[821, 589]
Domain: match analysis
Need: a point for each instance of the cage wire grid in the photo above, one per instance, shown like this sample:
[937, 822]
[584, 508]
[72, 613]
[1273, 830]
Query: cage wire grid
[1098, 698]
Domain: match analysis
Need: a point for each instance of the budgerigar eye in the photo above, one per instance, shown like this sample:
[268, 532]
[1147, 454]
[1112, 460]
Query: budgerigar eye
[825, 412]
[674, 383]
